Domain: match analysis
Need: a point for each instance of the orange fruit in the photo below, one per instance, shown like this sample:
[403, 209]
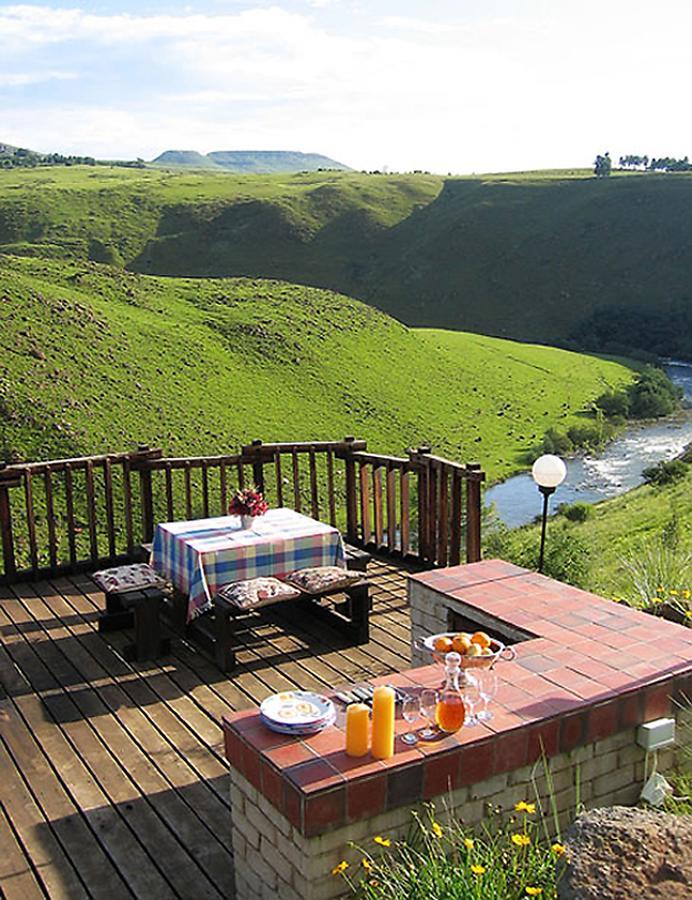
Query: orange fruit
[461, 644]
[443, 644]
[480, 638]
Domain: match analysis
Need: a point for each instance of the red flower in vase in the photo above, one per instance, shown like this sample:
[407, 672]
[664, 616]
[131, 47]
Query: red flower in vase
[248, 502]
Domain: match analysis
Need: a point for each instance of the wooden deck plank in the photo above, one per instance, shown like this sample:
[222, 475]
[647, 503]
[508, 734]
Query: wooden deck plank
[117, 780]
[17, 877]
[139, 770]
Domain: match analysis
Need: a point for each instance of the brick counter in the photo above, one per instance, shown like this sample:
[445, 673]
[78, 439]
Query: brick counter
[588, 674]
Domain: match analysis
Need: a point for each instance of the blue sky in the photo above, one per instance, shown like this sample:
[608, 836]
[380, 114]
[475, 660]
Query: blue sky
[447, 86]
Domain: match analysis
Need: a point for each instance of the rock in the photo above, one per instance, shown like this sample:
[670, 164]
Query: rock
[617, 853]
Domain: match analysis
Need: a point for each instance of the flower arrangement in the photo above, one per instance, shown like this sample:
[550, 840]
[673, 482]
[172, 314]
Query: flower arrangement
[248, 502]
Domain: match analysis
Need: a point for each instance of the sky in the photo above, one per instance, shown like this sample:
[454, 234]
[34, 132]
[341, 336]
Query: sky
[455, 86]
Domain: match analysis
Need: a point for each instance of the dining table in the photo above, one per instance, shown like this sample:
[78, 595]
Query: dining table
[201, 556]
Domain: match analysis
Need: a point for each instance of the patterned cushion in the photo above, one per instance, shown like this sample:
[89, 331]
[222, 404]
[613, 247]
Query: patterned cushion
[322, 578]
[256, 592]
[128, 578]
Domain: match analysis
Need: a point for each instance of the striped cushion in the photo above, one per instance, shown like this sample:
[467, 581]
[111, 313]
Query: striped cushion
[128, 578]
[255, 592]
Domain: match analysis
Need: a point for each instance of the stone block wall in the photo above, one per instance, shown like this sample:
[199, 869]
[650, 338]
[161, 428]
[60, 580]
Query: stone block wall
[273, 859]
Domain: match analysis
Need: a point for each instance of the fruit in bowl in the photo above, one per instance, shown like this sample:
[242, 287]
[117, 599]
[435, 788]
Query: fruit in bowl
[477, 649]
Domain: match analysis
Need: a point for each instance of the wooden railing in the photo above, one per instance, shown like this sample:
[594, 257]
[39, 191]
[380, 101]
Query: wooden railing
[67, 515]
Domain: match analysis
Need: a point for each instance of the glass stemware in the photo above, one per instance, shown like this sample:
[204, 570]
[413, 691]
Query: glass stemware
[410, 710]
[472, 696]
[487, 683]
[428, 708]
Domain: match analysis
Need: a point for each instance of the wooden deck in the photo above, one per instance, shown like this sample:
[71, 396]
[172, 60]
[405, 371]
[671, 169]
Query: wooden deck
[113, 781]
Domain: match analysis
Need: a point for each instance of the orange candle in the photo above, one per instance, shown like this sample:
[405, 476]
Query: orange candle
[383, 700]
[357, 719]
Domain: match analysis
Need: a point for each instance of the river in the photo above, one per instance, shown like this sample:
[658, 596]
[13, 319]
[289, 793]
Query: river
[618, 469]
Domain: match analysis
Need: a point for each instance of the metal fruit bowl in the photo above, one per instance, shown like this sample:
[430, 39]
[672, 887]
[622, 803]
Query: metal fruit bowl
[497, 648]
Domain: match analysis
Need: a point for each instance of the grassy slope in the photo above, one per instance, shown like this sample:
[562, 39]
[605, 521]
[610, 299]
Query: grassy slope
[526, 255]
[200, 365]
[618, 526]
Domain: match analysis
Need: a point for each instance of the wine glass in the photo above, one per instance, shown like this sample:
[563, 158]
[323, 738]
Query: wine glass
[410, 710]
[428, 708]
[487, 683]
[472, 695]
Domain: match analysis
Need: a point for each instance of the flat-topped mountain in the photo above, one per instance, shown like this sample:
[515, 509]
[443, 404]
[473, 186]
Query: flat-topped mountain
[259, 161]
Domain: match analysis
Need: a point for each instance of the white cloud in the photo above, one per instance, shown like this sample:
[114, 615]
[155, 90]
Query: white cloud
[418, 91]
[20, 79]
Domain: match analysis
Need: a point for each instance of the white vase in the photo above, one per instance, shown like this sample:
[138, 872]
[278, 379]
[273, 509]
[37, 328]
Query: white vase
[246, 522]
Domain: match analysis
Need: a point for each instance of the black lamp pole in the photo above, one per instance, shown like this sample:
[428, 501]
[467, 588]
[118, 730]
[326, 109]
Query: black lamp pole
[546, 491]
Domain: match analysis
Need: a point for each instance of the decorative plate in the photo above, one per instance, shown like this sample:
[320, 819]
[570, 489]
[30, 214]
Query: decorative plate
[298, 730]
[297, 708]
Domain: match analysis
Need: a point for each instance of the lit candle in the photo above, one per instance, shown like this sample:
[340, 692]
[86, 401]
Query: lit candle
[383, 700]
[357, 718]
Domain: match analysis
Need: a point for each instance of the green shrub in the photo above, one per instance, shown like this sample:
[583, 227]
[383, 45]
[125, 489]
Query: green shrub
[614, 403]
[665, 472]
[585, 435]
[566, 557]
[558, 442]
[576, 512]
[652, 395]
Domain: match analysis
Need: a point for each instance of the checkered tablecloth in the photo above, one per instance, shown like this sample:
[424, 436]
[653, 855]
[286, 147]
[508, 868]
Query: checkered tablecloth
[200, 557]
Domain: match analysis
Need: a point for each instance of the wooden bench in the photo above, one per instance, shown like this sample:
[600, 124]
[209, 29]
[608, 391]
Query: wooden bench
[142, 609]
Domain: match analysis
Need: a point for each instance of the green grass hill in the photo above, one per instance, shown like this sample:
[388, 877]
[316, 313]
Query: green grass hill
[648, 523]
[535, 256]
[92, 358]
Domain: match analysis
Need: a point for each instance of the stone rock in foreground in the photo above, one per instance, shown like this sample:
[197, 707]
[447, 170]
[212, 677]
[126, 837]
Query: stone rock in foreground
[617, 853]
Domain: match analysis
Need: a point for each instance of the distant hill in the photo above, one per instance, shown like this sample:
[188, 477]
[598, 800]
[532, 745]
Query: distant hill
[251, 161]
[190, 158]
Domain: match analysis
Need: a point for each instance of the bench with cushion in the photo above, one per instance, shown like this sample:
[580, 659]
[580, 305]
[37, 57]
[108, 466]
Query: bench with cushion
[305, 589]
[134, 596]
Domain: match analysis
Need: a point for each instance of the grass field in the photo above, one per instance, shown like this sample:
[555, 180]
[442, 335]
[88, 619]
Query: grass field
[524, 255]
[93, 358]
[627, 526]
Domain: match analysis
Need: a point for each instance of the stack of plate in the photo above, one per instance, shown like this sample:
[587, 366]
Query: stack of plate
[297, 712]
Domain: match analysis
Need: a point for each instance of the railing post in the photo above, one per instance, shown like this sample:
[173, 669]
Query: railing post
[473, 515]
[258, 469]
[8, 558]
[351, 493]
[424, 511]
[140, 460]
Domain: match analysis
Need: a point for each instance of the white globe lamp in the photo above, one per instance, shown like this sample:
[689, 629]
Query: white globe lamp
[548, 472]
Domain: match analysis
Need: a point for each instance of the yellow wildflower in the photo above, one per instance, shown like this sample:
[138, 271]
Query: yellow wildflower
[523, 806]
[656, 600]
[686, 594]
[341, 868]
[673, 593]
[533, 891]
[559, 849]
[367, 865]
[660, 590]
[382, 841]
[688, 613]
[521, 840]
[478, 870]
[468, 843]
[437, 830]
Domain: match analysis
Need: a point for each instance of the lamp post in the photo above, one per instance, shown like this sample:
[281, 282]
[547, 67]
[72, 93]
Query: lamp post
[548, 472]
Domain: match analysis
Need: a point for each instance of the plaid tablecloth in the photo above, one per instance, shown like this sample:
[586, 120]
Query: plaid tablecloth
[200, 557]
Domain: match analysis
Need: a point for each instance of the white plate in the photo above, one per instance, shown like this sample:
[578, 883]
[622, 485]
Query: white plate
[297, 708]
[298, 731]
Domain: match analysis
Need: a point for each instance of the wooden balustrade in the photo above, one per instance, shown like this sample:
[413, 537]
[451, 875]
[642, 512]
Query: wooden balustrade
[60, 516]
